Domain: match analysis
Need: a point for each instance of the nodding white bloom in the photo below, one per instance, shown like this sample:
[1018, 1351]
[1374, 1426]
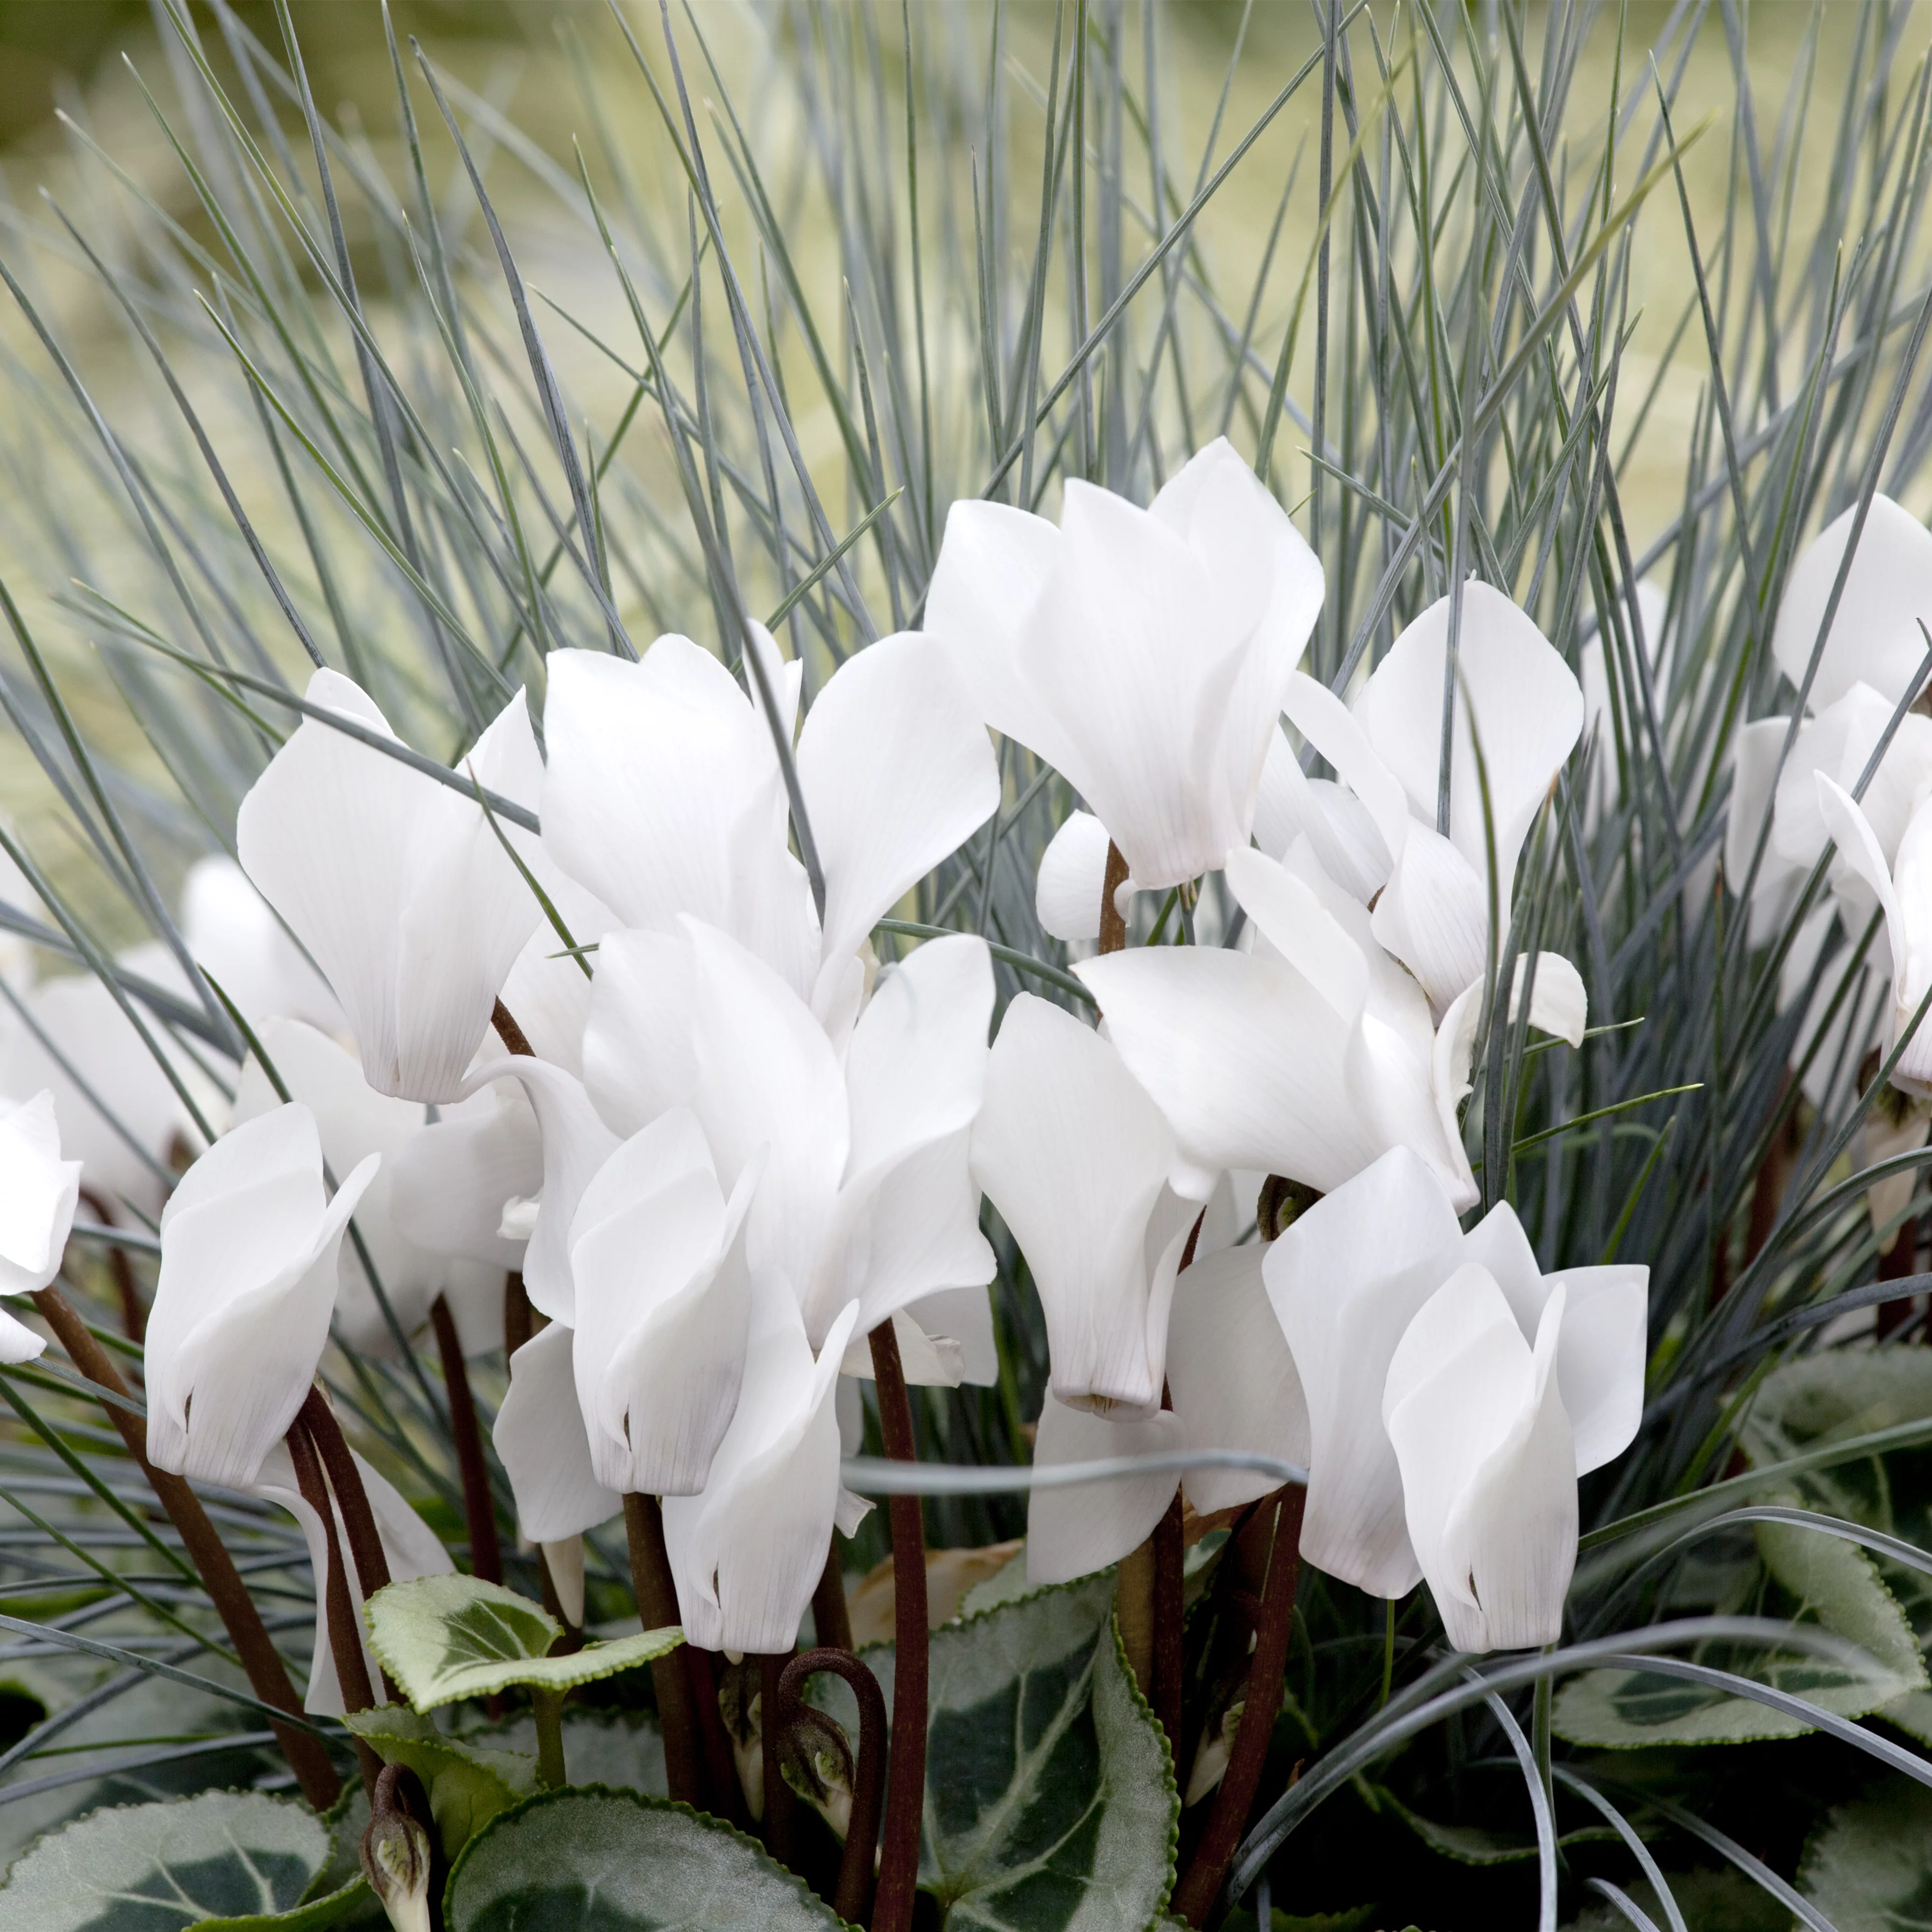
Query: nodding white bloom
[541, 1442]
[663, 1301]
[249, 1244]
[664, 796]
[1313, 1054]
[1455, 1394]
[1904, 891]
[398, 886]
[1518, 705]
[1081, 1164]
[410, 1547]
[120, 1115]
[865, 1193]
[38, 1193]
[1144, 654]
[417, 1250]
[1869, 661]
[1234, 1385]
[747, 1554]
[235, 936]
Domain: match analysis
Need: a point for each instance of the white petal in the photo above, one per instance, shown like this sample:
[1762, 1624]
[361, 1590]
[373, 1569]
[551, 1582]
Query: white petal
[1085, 1526]
[1754, 775]
[1302, 930]
[1858, 847]
[1072, 875]
[1076, 1156]
[964, 1318]
[18, 1343]
[662, 1305]
[1557, 1002]
[1528, 713]
[1335, 731]
[1875, 636]
[897, 772]
[540, 1440]
[1913, 1073]
[1434, 916]
[1136, 639]
[1599, 1357]
[242, 1309]
[651, 764]
[576, 1144]
[231, 931]
[1251, 1065]
[549, 995]
[638, 1057]
[1232, 1378]
[449, 1183]
[38, 1194]
[748, 1552]
[1336, 822]
[993, 565]
[1346, 1278]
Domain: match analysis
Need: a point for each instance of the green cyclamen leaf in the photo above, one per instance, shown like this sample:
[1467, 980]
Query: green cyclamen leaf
[598, 1860]
[226, 1859]
[468, 1784]
[1870, 1868]
[442, 1638]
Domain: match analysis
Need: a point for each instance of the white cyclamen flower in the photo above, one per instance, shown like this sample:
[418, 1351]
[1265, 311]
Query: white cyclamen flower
[233, 933]
[1462, 1471]
[663, 1302]
[1144, 654]
[249, 1244]
[38, 1193]
[1904, 891]
[1518, 705]
[1078, 1161]
[664, 796]
[1234, 1386]
[410, 1547]
[398, 886]
[1313, 1054]
[747, 1554]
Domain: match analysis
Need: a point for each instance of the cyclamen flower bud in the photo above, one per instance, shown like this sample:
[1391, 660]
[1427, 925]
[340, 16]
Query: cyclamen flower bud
[396, 1856]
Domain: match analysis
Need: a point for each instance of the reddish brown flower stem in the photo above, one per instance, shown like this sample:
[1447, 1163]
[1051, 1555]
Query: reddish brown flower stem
[780, 1801]
[853, 1902]
[365, 1540]
[345, 1637]
[512, 1036]
[670, 1678]
[1170, 1666]
[1194, 1898]
[831, 1615]
[720, 1766]
[479, 1510]
[268, 1675]
[905, 1786]
[1113, 927]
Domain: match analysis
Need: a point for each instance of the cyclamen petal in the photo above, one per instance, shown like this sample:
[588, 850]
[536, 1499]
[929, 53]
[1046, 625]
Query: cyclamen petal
[1145, 653]
[540, 1440]
[38, 1194]
[247, 1281]
[398, 887]
[1073, 1531]
[1073, 876]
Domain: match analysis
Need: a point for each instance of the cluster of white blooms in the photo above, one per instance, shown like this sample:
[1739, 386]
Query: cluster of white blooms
[647, 1057]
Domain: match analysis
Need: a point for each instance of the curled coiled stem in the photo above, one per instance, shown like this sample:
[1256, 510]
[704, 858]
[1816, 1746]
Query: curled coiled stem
[853, 1903]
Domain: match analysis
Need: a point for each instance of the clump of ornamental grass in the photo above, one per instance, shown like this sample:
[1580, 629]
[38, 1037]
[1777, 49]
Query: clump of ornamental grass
[598, 707]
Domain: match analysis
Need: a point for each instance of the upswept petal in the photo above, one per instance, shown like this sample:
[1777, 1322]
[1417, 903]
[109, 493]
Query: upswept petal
[1434, 916]
[638, 1055]
[747, 1554]
[448, 1183]
[1083, 1527]
[1337, 733]
[1072, 875]
[1232, 1378]
[1346, 1279]
[548, 992]
[1528, 713]
[1912, 877]
[1075, 1157]
[1247, 1061]
[18, 1343]
[576, 1144]
[767, 1078]
[993, 566]
[233, 932]
[540, 1440]
[1228, 516]
[1288, 912]
[662, 1305]
[241, 1308]
[1337, 825]
[1875, 636]
[651, 763]
[411, 1547]
[38, 1194]
[1599, 1357]
[1858, 847]
[1134, 636]
[897, 772]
